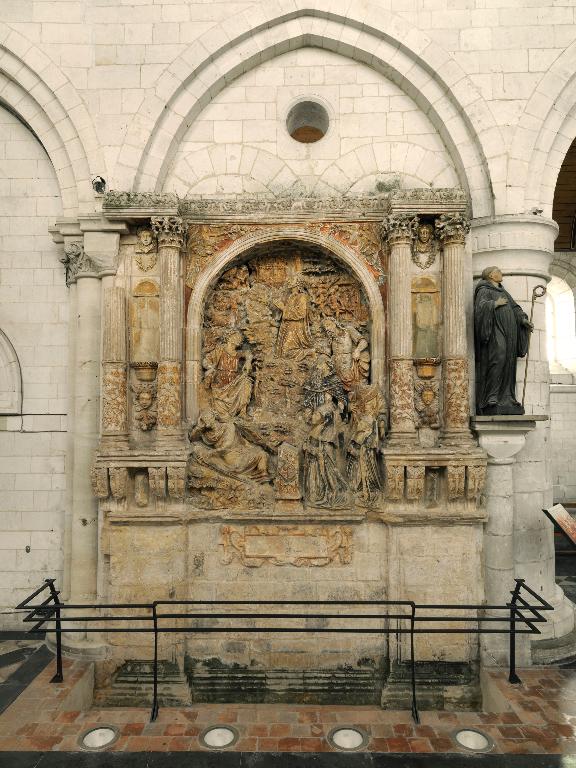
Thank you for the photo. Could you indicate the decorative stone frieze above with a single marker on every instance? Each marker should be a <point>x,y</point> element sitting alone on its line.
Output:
<point>416,477</point>
<point>298,545</point>
<point>118,199</point>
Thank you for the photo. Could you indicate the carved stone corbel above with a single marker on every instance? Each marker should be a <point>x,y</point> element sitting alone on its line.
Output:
<point>119,482</point>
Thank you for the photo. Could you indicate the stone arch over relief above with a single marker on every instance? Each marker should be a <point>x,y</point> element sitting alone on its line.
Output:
<point>239,252</point>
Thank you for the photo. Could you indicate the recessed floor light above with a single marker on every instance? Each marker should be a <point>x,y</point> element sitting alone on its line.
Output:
<point>348,739</point>
<point>99,738</point>
<point>473,740</point>
<point>219,737</point>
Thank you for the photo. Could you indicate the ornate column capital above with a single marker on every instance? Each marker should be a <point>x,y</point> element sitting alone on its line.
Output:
<point>77,263</point>
<point>400,227</point>
<point>452,228</point>
<point>170,230</point>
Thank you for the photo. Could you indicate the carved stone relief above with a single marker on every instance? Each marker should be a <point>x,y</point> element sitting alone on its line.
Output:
<point>286,350</point>
<point>146,249</point>
<point>426,403</point>
<point>169,383</point>
<point>301,546</point>
<point>145,406</point>
<point>424,246</point>
<point>114,398</point>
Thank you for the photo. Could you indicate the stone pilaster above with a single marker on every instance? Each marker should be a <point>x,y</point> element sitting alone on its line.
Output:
<point>451,230</point>
<point>399,229</point>
<point>170,231</point>
<point>114,375</point>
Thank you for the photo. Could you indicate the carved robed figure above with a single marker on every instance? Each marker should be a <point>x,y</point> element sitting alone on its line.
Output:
<point>501,335</point>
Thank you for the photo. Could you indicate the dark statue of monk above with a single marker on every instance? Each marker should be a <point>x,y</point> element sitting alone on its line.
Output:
<point>501,335</point>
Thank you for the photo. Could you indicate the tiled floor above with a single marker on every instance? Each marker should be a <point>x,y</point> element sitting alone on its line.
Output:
<point>542,719</point>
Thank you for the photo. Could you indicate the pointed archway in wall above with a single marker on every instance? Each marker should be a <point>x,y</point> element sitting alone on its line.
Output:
<point>367,34</point>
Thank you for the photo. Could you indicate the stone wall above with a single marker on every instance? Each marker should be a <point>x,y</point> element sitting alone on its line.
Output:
<point>34,317</point>
<point>563,438</point>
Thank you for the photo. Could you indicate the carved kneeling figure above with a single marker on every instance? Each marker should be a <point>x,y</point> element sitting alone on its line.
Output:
<point>224,449</point>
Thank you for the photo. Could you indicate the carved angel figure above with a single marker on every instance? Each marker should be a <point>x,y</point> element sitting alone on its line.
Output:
<point>349,352</point>
<point>228,376</point>
<point>218,445</point>
<point>324,486</point>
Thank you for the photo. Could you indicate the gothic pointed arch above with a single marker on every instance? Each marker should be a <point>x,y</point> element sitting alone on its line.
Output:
<point>366,33</point>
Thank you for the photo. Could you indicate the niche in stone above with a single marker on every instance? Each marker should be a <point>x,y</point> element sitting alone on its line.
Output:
<point>288,417</point>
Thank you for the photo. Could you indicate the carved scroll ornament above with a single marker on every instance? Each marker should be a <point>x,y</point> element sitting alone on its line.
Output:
<point>299,545</point>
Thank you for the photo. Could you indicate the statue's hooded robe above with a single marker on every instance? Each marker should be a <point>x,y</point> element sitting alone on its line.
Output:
<point>500,337</point>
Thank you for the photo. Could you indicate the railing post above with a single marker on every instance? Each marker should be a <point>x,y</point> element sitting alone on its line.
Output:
<point>415,715</point>
<point>154,711</point>
<point>512,676</point>
<point>59,676</point>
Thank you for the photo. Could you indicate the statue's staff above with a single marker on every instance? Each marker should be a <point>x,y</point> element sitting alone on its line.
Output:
<point>537,292</point>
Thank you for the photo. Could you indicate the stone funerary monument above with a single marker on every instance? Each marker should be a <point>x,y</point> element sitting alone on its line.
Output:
<point>285,415</point>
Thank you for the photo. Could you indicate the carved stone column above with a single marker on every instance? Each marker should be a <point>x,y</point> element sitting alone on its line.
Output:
<point>170,231</point>
<point>400,229</point>
<point>114,381</point>
<point>451,230</point>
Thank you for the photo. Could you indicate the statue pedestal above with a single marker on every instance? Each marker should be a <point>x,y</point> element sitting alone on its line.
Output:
<point>502,437</point>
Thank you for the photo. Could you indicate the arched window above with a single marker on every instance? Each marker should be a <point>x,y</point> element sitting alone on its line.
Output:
<point>10,378</point>
<point>561,327</point>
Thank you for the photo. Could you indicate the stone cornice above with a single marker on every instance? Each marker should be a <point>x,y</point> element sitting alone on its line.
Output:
<point>136,205</point>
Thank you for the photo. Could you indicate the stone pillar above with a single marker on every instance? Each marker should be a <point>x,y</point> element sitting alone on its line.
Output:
<point>451,230</point>
<point>400,230</point>
<point>170,231</point>
<point>502,438</point>
<point>114,373</point>
<point>90,253</point>
<point>523,247</point>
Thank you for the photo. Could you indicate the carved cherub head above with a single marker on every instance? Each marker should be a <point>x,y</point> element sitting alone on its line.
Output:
<point>425,233</point>
<point>145,239</point>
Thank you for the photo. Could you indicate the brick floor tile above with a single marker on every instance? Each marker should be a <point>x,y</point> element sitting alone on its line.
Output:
<point>132,729</point>
<point>420,745</point>
<point>267,744</point>
<point>280,729</point>
<point>289,744</point>
<point>398,744</point>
